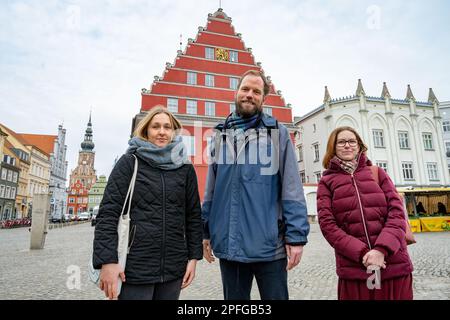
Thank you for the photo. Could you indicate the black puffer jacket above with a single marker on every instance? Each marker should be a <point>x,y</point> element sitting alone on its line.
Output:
<point>166,216</point>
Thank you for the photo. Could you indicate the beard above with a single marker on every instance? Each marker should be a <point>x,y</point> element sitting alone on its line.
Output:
<point>247,112</point>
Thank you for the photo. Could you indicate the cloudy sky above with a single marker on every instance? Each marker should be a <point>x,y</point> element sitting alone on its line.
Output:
<point>60,59</point>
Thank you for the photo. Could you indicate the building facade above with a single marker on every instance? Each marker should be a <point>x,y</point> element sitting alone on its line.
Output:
<point>199,87</point>
<point>17,144</point>
<point>77,199</point>
<point>403,136</point>
<point>96,193</point>
<point>9,182</point>
<point>22,193</point>
<point>444,108</point>
<point>3,136</point>
<point>39,174</point>
<point>54,145</point>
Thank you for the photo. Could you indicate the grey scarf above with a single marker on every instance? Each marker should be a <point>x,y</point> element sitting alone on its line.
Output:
<point>170,157</point>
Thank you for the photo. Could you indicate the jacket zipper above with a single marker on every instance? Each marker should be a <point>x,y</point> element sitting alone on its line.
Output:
<point>246,141</point>
<point>361,210</point>
<point>164,227</point>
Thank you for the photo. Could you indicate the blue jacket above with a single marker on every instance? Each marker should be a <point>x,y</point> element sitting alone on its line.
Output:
<point>254,202</point>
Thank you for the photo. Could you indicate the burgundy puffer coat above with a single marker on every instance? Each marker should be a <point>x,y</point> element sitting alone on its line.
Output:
<point>354,210</point>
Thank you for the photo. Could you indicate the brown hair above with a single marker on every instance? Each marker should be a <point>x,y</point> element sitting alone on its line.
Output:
<point>256,73</point>
<point>141,129</point>
<point>331,145</point>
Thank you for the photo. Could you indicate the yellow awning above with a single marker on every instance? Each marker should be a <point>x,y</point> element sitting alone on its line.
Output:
<point>424,190</point>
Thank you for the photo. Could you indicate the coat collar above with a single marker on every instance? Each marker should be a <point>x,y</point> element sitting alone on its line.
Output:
<point>335,167</point>
<point>267,121</point>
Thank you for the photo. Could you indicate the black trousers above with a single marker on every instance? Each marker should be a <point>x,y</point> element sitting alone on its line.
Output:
<point>271,278</point>
<point>157,291</point>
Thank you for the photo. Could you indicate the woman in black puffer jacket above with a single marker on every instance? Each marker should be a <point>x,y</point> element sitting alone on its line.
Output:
<point>165,227</point>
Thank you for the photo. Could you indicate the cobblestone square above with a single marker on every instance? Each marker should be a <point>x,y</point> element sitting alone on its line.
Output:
<point>60,270</point>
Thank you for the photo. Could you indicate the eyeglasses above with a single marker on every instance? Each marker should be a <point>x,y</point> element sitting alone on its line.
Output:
<point>351,143</point>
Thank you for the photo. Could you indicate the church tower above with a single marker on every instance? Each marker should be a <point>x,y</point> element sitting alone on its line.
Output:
<point>85,172</point>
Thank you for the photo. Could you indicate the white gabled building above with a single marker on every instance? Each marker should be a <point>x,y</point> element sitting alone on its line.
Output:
<point>403,136</point>
<point>444,107</point>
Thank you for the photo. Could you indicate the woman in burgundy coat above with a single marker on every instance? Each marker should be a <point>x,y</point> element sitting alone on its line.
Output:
<point>363,220</point>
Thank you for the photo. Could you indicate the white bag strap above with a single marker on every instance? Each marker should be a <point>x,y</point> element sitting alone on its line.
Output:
<point>130,188</point>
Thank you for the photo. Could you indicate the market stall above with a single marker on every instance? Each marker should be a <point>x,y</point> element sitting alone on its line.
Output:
<point>428,208</point>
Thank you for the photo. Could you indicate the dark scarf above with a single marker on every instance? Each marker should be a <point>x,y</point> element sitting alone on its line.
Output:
<point>236,122</point>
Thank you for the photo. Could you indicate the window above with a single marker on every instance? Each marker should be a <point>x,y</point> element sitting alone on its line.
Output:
<point>383,165</point>
<point>4,173</point>
<point>210,108</point>
<point>80,200</point>
<point>13,193</point>
<point>300,153</point>
<point>302,176</point>
<point>268,110</point>
<point>71,200</point>
<point>233,56</point>
<point>8,192</point>
<point>403,139</point>
<point>378,138</point>
<point>318,175</point>
<point>314,127</point>
<point>172,105</point>
<point>316,152</point>
<point>6,214</point>
<point>447,147</point>
<point>2,191</point>
<point>427,140</point>
<point>209,53</point>
<point>407,171</point>
<point>189,142</point>
<point>9,160</point>
<point>234,83</point>
<point>209,80</point>
<point>232,107</point>
<point>191,107</point>
<point>191,78</point>
<point>446,126</point>
<point>432,171</point>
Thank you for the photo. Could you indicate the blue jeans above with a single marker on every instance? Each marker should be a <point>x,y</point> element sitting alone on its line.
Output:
<point>271,277</point>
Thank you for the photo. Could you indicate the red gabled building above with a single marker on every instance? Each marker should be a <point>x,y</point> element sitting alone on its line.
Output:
<point>199,87</point>
<point>77,198</point>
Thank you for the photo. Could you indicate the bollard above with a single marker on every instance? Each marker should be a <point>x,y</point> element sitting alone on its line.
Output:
<point>39,224</point>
